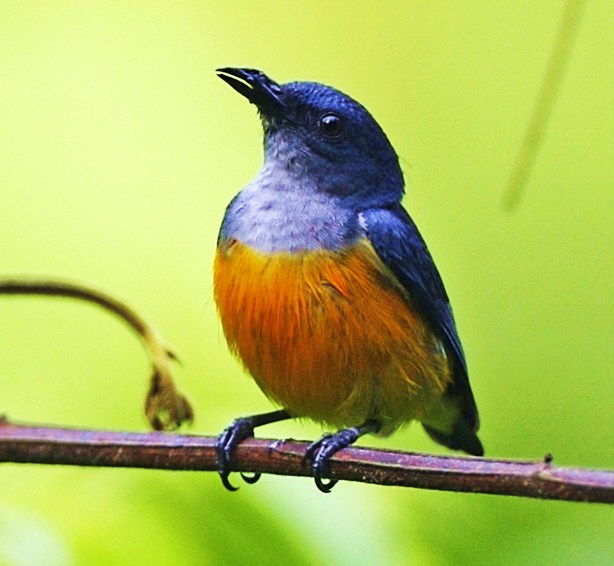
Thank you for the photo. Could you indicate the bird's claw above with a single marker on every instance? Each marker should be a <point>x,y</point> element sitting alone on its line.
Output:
<point>251,479</point>
<point>225,447</point>
<point>320,452</point>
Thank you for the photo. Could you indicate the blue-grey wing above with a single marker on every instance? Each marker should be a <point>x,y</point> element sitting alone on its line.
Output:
<point>398,243</point>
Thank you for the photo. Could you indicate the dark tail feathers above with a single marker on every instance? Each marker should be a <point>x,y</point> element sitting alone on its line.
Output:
<point>463,437</point>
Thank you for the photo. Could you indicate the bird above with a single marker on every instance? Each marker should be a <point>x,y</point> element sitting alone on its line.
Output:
<point>326,291</point>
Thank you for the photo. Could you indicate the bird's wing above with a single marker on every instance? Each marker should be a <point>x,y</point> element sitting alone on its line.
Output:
<point>400,246</point>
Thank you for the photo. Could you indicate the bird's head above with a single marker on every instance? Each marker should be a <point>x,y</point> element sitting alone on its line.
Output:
<point>322,137</point>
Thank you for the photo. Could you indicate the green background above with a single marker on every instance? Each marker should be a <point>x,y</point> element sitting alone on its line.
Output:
<point>119,149</point>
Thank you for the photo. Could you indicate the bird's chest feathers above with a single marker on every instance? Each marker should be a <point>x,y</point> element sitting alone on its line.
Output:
<point>278,212</point>
<point>317,328</point>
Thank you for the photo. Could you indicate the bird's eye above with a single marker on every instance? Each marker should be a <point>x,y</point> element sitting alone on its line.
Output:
<point>331,126</point>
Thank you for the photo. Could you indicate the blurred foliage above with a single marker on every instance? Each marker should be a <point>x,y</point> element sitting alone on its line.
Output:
<point>119,149</point>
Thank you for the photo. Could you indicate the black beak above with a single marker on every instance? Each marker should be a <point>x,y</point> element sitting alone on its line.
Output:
<point>254,85</point>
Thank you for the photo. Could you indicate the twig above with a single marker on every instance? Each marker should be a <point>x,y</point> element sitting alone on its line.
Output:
<point>541,480</point>
<point>165,407</point>
<point>544,103</point>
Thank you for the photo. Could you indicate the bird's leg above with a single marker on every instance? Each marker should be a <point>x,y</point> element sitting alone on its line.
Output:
<point>233,435</point>
<point>320,451</point>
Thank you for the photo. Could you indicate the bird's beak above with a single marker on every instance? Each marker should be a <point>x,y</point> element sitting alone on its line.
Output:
<point>254,85</point>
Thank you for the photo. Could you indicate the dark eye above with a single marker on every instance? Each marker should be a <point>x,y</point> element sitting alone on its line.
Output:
<point>331,126</point>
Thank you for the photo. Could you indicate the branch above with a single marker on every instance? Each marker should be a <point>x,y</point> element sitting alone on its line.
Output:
<point>165,407</point>
<point>48,445</point>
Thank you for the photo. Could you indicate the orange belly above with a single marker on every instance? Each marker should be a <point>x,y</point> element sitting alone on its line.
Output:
<point>330,335</point>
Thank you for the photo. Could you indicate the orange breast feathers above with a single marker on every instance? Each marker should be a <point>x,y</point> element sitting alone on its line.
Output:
<point>331,336</point>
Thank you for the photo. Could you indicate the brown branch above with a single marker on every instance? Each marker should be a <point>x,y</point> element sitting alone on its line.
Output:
<point>165,407</point>
<point>48,445</point>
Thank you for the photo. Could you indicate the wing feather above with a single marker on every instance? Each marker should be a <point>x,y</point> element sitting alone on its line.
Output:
<point>400,246</point>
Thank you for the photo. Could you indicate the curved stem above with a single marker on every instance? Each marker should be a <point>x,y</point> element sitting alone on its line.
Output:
<point>165,407</point>
<point>544,104</point>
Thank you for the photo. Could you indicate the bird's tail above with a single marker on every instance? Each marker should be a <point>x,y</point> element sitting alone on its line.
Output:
<point>463,437</point>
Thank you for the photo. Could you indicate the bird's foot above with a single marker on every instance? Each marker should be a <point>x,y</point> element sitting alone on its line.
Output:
<point>226,445</point>
<point>237,432</point>
<point>320,452</point>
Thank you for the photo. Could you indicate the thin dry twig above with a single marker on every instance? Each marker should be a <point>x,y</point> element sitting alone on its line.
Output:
<point>165,407</point>
<point>541,480</point>
<point>544,103</point>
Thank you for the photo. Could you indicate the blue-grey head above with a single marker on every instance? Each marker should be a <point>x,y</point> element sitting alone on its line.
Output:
<point>321,136</point>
